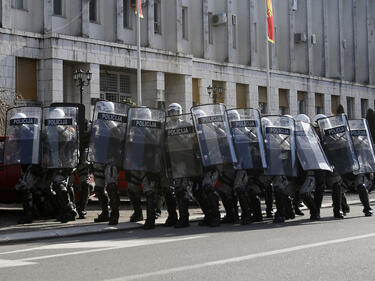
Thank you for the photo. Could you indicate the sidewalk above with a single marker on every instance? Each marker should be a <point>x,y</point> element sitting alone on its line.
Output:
<point>11,232</point>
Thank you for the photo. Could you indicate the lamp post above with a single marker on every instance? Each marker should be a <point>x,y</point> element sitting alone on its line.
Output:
<point>82,79</point>
<point>215,92</point>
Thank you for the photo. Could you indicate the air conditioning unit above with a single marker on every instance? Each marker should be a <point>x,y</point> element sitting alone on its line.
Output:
<point>219,19</point>
<point>300,37</point>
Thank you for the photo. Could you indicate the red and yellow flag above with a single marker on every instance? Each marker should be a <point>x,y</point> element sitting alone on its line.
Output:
<point>271,33</point>
<point>139,2</point>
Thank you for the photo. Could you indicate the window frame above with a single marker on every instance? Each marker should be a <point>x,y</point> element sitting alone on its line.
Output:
<point>157,17</point>
<point>127,13</point>
<point>14,5</point>
<point>97,14</point>
<point>185,23</point>
<point>210,29</point>
<point>62,3</point>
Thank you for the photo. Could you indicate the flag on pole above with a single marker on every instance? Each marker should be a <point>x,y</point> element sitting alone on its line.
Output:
<point>270,33</point>
<point>138,2</point>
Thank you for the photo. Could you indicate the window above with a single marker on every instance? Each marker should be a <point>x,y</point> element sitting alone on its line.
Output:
<point>335,101</point>
<point>301,101</point>
<point>128,14</point>
<point>319,103</point>
<point>210,34</point>
<point>18,4</point>
<point>283,101</point>
<point>364,107</point>
<point>185,23</point>
<point>93,11</point>
<point>157,17</point>
<point>350,107</point>
<point>57,7</point>
<point>262,99</point>
<point>115,86</point>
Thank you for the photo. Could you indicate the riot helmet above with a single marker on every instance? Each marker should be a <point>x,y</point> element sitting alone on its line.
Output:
<point>105,106</point>
<point>302,118</point>
<point>233,115</point>
<point>56,113</point>
<point>316,118</point>
<point>174,109</point>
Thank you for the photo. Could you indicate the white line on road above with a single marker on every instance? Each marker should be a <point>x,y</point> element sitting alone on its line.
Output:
<point>101,246</point>
<point>240,259</point>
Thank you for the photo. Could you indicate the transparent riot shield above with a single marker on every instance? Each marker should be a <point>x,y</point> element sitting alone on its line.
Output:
<point>279,139</point>
<point>337,143</point>
<point>108,132</point>
<point>363,145</point>
<point>22,143</point>
<point>214,137</point>
<point>181,147</point>
<point>248,139</point>
<point>144,138</point>
<point>60,145</point>
<point>309,150</point>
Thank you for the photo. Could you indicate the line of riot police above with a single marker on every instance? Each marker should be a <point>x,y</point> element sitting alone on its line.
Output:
<point>210,153</point>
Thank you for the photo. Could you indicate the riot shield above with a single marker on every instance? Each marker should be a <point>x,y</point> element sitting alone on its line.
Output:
<point>309,151</point>
<point>143,142</point>
<point>108,131</point>
<point>363,145</point>
<point>214,137</point>
<point>181,147</point>
<point>22,142</point>
<point>337,143</point>
<point>60,145</point>
<point>248,139</point>
<point>279,139</point>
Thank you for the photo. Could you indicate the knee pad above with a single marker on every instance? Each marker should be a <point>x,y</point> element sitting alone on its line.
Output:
<point>111,174</point>
<point>308,186</point>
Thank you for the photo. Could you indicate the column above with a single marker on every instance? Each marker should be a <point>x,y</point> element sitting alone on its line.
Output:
<point>179,25</point>
<point>293,102</point>
<point>93,90</point>
<point>252,96</point>
<point>230,98</point>
<point>153,84</point>
<point>229,31</point>
<point>309,33</point>
<point>273,101</point>
<point>119,20</point>
<point>48,10</point>
<point>327,104</point>
<point>150,22</point>
<point>205,28</point>
<point>357,107</point>
<point>311,104</point>
<point>85,19</point>
<point>178,88</point>
<point>5,14</point>
<point>50,81</point>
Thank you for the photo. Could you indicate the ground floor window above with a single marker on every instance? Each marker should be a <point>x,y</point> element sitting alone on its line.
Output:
<point>115,86</point>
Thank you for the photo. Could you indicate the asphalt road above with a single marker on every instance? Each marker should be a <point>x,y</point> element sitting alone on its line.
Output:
<point>297,250</point>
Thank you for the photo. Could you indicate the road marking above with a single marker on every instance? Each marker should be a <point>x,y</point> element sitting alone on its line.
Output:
<point>240,259</point>
<point>100,246</point>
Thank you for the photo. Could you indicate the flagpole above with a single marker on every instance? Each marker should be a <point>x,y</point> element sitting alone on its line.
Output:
<point>139,78</point>
<point>268,66</point>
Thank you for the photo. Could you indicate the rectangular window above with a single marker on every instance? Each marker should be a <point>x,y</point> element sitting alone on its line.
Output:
<point>57,7</point>
<point>128,14</point>
<point>302,102</point>
<point>335,101</point>
<point>210,34</point>
<point>93,11</point>
<point>319,103</point>
<point>262,99</point>
<point>157,17</point>
<point>185,23</point>
<point>115,86</point>
<point>283,101</point>
<point>364,107</point>
<point>26,78</point>
<point>18,4</point>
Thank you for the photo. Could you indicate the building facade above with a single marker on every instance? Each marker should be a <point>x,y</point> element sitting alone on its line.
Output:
<point>323,56</point>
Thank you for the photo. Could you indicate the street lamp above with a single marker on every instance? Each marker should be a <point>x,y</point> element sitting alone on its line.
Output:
<point>215,92</point>
<point>82,79</point>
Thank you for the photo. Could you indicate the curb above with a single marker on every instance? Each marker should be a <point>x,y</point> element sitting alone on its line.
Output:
<point>97,229</point>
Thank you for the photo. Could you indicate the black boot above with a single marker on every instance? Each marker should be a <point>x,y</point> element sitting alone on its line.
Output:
<point>255,207</point>
<point>202,200</point>
<point>344,205</point>
<point>102,195</point>
<point>318,199</point>
<point>135,200</point>
<point>170,201</point>
<point>245,208</point>
<point>27,203</point>
<point>150,220</point>
<point>83,200</point>
<point>230,214</point>
<point>363,196</point>
<point>336,200</point>
<point>280,199</point>
<point>268,197</point>
<point>183,209</point>
<point>308,200</point>
<point>213,201</point>
<point>296,204</point>
<point>289,210</point>
<point>114,203</point>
